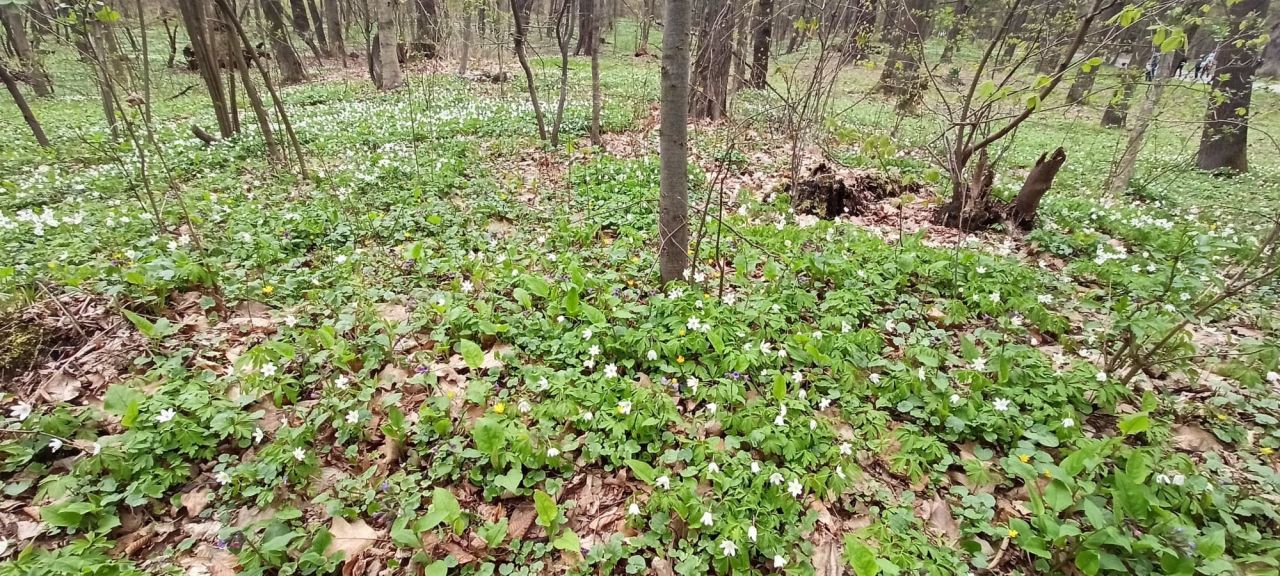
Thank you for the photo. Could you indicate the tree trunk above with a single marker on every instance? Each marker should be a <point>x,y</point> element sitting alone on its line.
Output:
<point>11,16</point>
<point>94,44</point>
<point>1270,66</point>
<point>646,22</point>
<point>563,27</point>
<point>388,59</point>
<point>302,27</point>
<point>586,32</point>
<point>761,45</point>
<point>709,97</point>
<point>673,197</point>
<point>321,38</point>
<point>518,39</point>
<point>466,40</point>
<point>958,20</point>
<point>596,97</point>
<point>743,41</point>
<point>291,71</point>
<point>901,76</point>
<point>1082,86</point>
<point>427,35</point>
<point>12,85</point>
<point>1022,213</point>
<point>195,18</point>
<point>1225,138</point>
<point>333,19</point>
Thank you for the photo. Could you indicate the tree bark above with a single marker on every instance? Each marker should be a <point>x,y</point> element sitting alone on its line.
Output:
<point>321,37</point>
<point>761,45</point>
<point>291,71</point>
<point>1270,66</point>
<point>901,76</point>
<point>1117,111</point>
<point>333,19</point>
<point>195,18</point>
<point>646,22</point>
<point>958,19</point>
<point>1022,212</point>
<point>587,34</point>
<point>518,39</point>
<point>11,16</point>
<point>16,92</point>
<point>302,27</point>
<point>563,27</point>
<point>466,40</point>
<point>709,97</point>
<point>388,59</point>
<point>1224,142</point>
<point>673,197</point>
<point>596,96</point>
<point>427,34</point>
<point>1082,86</point>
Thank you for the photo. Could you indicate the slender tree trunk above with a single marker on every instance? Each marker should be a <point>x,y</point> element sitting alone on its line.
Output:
<point>466,40</point>
<point>333,19</point>
<point>596,97</point>
<point>1082,86</point>
<point>761,45</point>
<point>1270,66</point>
<point>586,32</point>
<point>563,26</point>
<point>709,96</point>
<point>291,71</point>
<point>11,16</point>
<point>195,18</point>
<point>673,198</point>
<point>958,19</point>
<point>427,36</point>
<point>1224,141</point>
<point>518,38</point>
<point>388,59</point>
<point>646,22</point>
<point>171,32</point>
<point>95,43</point>
<point>146,64</point>
<point>16,92</point>
<point>901,76</point>
<point>321,37</point>
<point>302,27</point>
<point>743,39</point>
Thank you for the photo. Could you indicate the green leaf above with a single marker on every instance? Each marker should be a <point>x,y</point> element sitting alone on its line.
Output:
<point>444,508</point>
<point>1088,562</point>
<point>437,568</point>
<point>568,541</point>
<point>124,402</point>
<point>861,558</point>
<point>490,436</point>
<point>471,353</point>
<point>1135,423</point>
<point>572,301</point>
<point>642,471</point>
<point>545,505</point>
<point>1057,495</point>
<point>1212,544</point>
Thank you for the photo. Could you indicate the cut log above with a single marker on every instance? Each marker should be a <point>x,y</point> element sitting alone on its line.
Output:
<point>1022,213</point>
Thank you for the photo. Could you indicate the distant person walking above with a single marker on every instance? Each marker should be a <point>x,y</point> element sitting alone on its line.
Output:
<point>1204,68</point>
<point>1152,66</point>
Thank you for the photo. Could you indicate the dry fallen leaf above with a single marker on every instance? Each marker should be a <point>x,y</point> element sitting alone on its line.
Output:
<point>937,514</point>
<point>352,538</point>
<point>1193,438</point>
<point>60,388</point>
<point>826,559</point>
<point>195,501</point>
<point>392,313</point>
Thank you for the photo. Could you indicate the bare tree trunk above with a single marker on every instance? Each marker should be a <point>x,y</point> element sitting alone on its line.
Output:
<point>743,39</point>
<point>12,85</point>
<point>466,40</point>
<point>646,22</point>
<point>763,28</point>
<point>171,32</point>
<point>958,20</point>
<point>709,96</point>
<point>333,19</point>
<point>302,27</point>
<point>1117,110</point>
<point>321,38</point>
<point>11,16</point>
<point>291,71</point>
<point>1082,86</point>
<point>521,31</point>
<point>901,76</point>
<point>596,97</point>
<point>146,64</point>
<point>427,36</point>
<point>388,58</point>
<point>1023,210</point>
<point>673,198</point>
<point>1224,142</point>
<point>563,25</point>
<point>1270,66</point>
<point>195,18</point>
<point>586,32</point>
<point>95,46</point>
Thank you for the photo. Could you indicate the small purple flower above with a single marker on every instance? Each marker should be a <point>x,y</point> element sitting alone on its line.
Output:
<point>384,486</point>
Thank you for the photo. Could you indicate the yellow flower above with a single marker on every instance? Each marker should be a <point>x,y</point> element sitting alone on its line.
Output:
<point>1222,417</point>
<point>631,282</point>
<point>635,258</point>
<point>1024,458</point>
<point>1048,473</point>
<point>499,408</point>
<point>268,289</point>
<point>1267,451</point>
<point>1013,533</point>
<point>679,359</point>
<point>681,332</point>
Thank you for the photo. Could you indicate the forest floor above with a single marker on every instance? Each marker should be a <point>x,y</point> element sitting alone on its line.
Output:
<point>445,349</point>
